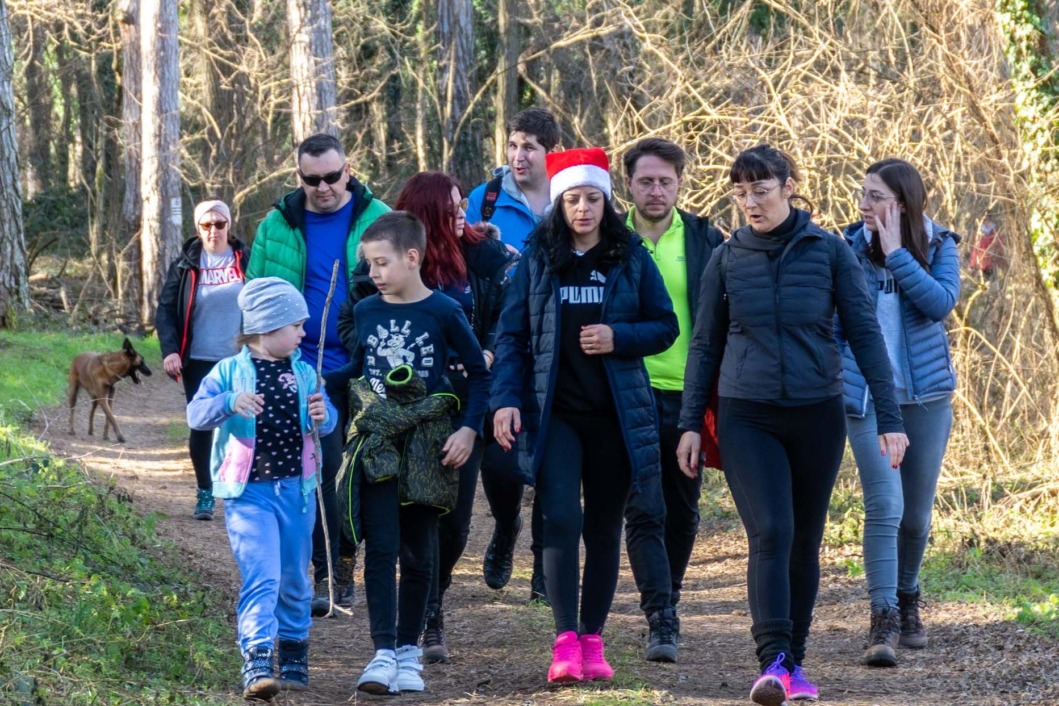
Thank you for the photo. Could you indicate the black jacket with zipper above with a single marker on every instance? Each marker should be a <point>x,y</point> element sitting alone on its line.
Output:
<point>766,321</point>
<point>176,303</point>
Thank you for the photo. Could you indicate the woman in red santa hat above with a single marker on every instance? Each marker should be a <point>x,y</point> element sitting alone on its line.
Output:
<point>586,304</point>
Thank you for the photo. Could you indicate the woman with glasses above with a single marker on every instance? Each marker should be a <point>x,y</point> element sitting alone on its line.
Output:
<point>469,264</point>
<point>198,320</point>
<point>768,301</point>
<point>912,268</point>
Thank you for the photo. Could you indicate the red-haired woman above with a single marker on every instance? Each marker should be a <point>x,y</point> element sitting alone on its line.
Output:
<point>468,263</point>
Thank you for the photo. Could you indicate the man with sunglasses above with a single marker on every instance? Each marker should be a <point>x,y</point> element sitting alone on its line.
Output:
<point>299,240</point>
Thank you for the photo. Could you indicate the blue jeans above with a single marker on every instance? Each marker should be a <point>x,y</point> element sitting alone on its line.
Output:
<point>898,502</point>
<point>270,527</point>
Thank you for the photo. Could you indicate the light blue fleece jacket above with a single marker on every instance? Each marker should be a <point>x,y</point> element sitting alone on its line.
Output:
<point>232,458</point>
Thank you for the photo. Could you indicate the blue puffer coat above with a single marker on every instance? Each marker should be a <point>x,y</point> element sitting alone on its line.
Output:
<point>926,299</point>
<point>638,309</point>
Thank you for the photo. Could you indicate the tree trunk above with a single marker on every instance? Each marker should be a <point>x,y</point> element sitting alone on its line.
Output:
<point>461,141</point>
<point>14,281</point>
<point>66,121</point>
<point>160,177</point>
<point>39,97</point>
<point>506,103</point>
<point>130,280</point>
<point>312,68</point>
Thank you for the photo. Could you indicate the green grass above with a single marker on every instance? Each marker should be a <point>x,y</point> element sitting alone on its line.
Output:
<point>91,610</point>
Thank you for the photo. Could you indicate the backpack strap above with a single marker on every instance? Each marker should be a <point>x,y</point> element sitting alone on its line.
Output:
<point>492,193</point>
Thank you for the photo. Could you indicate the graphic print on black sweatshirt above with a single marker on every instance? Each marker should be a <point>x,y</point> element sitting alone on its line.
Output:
<point>278,445</point>
<point>582,385</point>
<point>396,344</point>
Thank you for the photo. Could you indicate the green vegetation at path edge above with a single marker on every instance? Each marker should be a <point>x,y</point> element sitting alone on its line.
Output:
<point>94,607</point>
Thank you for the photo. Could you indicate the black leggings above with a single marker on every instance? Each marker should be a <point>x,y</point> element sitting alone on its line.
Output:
<point>392,532</point>
<point>781,464</point>
<point>582,454</point>
<point>454,528</point>
<point>200,443</point>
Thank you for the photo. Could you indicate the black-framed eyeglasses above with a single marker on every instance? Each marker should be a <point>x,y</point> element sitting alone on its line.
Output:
<point>315,179</point>
<point>872,196</point>
<point>219,225</point>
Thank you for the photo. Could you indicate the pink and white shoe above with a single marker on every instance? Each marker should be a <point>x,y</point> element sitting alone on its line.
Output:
<point>593,663</point>
<point>566,659</point>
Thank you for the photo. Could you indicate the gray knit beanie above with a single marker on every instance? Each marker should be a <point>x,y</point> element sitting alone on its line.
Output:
<point>270,303</point>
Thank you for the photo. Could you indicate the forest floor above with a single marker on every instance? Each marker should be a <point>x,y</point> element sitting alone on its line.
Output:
<point>500,644</point>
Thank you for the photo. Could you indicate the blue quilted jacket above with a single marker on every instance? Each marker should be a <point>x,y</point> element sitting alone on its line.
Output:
<point>926,299</point>
<point>635,305</point>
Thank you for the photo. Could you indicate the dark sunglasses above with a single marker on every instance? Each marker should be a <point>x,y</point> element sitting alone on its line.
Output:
<point>314,179</point>
<point>219,225</point>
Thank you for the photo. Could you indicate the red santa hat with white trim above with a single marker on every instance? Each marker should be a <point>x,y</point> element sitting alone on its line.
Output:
<point>579,167</point>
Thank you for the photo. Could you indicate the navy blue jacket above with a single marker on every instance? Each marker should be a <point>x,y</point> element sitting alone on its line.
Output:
<point>768,325</point>
<point>638,309</point>
<point>926,299</point>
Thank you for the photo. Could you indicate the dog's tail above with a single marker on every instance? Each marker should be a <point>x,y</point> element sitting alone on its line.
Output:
<point>73,385</point>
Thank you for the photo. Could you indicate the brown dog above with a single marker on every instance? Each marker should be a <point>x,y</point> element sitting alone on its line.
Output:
<point>98,373</point>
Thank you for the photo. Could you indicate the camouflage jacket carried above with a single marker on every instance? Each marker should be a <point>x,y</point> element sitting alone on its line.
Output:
<point>401,436</point>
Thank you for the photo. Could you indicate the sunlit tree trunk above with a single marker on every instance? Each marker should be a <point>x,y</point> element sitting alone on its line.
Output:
<point>130,280</point>
<point>312,68</point>
<point>461,141</point>
<point>160,121</point>
<point>14,283</point>
<point>506,103</point>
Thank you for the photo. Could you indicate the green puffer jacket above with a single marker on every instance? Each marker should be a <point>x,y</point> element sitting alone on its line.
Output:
<point>407,414</point>
<point>279,245</point>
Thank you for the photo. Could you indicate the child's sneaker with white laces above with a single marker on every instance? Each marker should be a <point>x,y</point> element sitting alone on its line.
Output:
<point>380,676</point>
<point>409,668</point>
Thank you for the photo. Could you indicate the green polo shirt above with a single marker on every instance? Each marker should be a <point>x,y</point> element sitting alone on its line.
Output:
<point>667,369</point>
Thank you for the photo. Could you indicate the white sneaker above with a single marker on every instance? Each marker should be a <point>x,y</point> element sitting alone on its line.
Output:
<point>408,668</point>
<point>380,676</point>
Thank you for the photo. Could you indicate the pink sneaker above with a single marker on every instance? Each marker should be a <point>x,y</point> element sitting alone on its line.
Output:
<point>773,686</point>
<point>801,688</point>
<point>566,659</point>
<point>593,663</point>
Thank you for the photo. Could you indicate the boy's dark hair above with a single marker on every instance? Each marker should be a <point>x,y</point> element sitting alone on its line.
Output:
<point>316,145</point>
<point>537,122</point>
<point>399,228</point>
<point>665,150</point>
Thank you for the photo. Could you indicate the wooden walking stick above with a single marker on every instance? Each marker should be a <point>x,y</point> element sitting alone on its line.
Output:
<point>319,455</point>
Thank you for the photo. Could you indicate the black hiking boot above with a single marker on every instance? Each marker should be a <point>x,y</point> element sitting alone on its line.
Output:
<point>499,556</point>
<point>662,636</point>
<point>538,594</point>
<point>435,651</point>
<point>259,674</point>
<point>913,634</point>
<point>293,664</point>
<point>882,638</point>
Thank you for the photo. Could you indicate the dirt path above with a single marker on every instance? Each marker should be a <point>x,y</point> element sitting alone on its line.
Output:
<point>501,646</point>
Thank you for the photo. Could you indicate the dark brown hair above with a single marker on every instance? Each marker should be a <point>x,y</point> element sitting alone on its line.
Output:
<point>665,150</point>
<point>906,183</point>
<point>399,228</point>
<point>537,122</point>
<point>763,162</point>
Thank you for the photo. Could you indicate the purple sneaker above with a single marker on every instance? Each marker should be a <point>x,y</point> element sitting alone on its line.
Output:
<point>801,688</point>
<point>771,687</point>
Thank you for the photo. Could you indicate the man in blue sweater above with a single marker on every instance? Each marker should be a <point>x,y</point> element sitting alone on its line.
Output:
<point>514,200</point>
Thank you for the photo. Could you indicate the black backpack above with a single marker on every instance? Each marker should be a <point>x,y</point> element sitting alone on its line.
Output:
<point>492,193</point>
